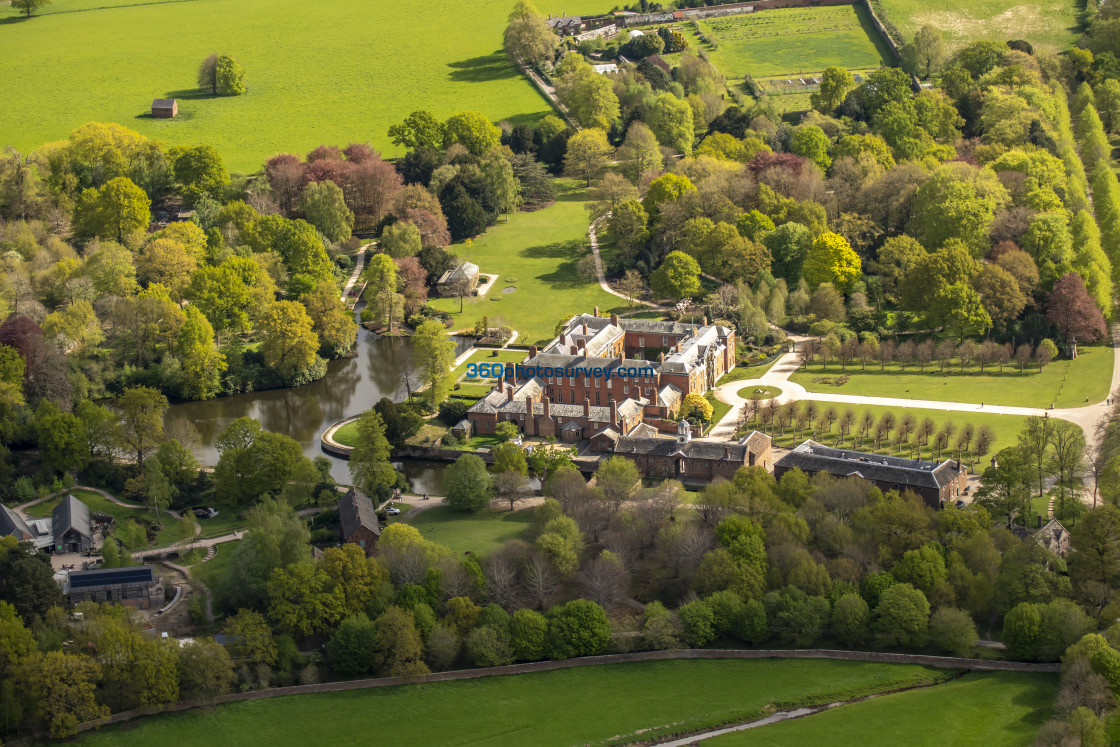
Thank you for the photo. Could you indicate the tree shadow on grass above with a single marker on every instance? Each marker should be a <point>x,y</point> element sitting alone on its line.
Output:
<point>572,249</point>
<point>13,19</point>
<point>494,66</point>
<point>190,94</point>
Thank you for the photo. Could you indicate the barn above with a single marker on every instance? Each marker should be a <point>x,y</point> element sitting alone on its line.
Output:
<point>165,108</point>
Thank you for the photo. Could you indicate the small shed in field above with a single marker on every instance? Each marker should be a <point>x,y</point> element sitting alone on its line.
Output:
<point>165,108</point>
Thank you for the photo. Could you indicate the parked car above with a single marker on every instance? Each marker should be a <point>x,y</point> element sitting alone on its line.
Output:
<point>960,504</point>
<point>392,510</point>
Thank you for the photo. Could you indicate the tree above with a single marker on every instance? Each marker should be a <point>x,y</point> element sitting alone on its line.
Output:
<point>325,207</point>
<point>850,618</point>
<point>926,54</point>
<point>810,142</point>
<point>200,171</point>
<point>578,628</point>
<point>627,224</point>
<point>958,309</point>
<point>670,119</point>
<point>589,97</point>
<point>957,201</point>
<point>370,467</point>
<point>433,353</point>
<point>201,362</point>
<point>420,129</point>
<point>488,646</point>
<point>509,457</point>
<point>116,210</point>
<point>230,76</point>
<point>251,638</point>
<point>61,438</point>
<point>834,86</point>
<point>953,631</point>
<point>468,484</point>
<point>63,688</point>
<point>696,404</point>
<point>678,277</point>
<point>399,649</point>
<point>619,479</point>
<point>588,151</point>
<point>528,37</point>
<point>302,599</point>
<point>1069,307</point>
<point>353,647</point>
<point>288,344</point>
<point>141,411</point>
<point>639,153</point>
<point>528,631</point>
<point>902,616</point>
<point>831,260</point>
<point>1035,441</point>
<point>999,293</point>
<point>332,322</point>
<point>1005,486</point>
<point>205,670</point>
<point>472,130</point>
<point>208,74</point>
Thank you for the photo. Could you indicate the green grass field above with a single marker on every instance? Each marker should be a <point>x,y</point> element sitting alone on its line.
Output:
<point>1049,23</point>
<point>213,568</point>
<point>1065,383</point>
<point>475,533</point>
<point>988,708</point>
<point>486,356</point>
<point>794,40</point>
<point>334,72</point>
<point>172,532</point>
<point>587,705</point>
<point>1006,428</point>
<point>540,249</point>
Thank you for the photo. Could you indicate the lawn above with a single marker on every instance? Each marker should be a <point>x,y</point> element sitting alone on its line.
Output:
<point>794,40</point>
<point>1006,428</point>
<point>743,372</point>
<point>477,533</point>
<point>756,391</point>
<point>347,435</point>
<point>988,708</point>
<point>719,407</point>
<point>587,705</point>
<point>209,571</point>
<point>485,355</point>
<point>337,72</point>
<point>540,249</point>
<point>1050,23</point>
<point>172,532</point>
<point>1063,383</point>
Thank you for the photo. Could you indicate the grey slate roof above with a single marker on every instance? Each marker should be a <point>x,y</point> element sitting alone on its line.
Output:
<point>69,514</point>
<point>162,103</point>
<point>11,525</point>
<point>355,510</point>
<point>814,457</point>
<point>710,450</point>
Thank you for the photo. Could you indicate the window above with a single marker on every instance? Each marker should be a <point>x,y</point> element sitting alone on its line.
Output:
<point>641,342</point>
<point>596,398</point>
<point>596,383</point>
<point>625,389</point>
<point>664,341</point>
<point>572,397</point>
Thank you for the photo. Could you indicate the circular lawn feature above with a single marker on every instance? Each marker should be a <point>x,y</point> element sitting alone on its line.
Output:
<point>758,391</point>
<point>509,289</point>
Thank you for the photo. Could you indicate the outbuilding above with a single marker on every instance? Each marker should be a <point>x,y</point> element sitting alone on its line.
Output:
<point>72,531</point>
<point>165,108</point>
<point>358,517</point>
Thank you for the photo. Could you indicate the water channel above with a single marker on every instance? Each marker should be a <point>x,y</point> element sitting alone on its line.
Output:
<point>350,387</point>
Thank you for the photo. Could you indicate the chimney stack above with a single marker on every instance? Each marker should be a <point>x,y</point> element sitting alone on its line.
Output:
<point>563,339</point>
<point>530,430</point>
<point>547,407</point>
<point>509,393</point>
<point>662,357</point>
<point>623,355</point>
<point>532,351</point>
<point>586,407</point>
<point>585,328</point>
<point>614,319</point>
<point>727,453</point>
<point>614,411</point>
<point>596,312</point>
<point>580,344</point>
<point>704,321</point>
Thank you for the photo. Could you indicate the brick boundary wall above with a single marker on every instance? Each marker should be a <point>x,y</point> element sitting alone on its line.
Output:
<point>886,37</point>
<point>939,662</point>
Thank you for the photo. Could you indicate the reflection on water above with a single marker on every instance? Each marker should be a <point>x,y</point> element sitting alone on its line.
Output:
<point>425,476</point>
<point>351,386</point>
